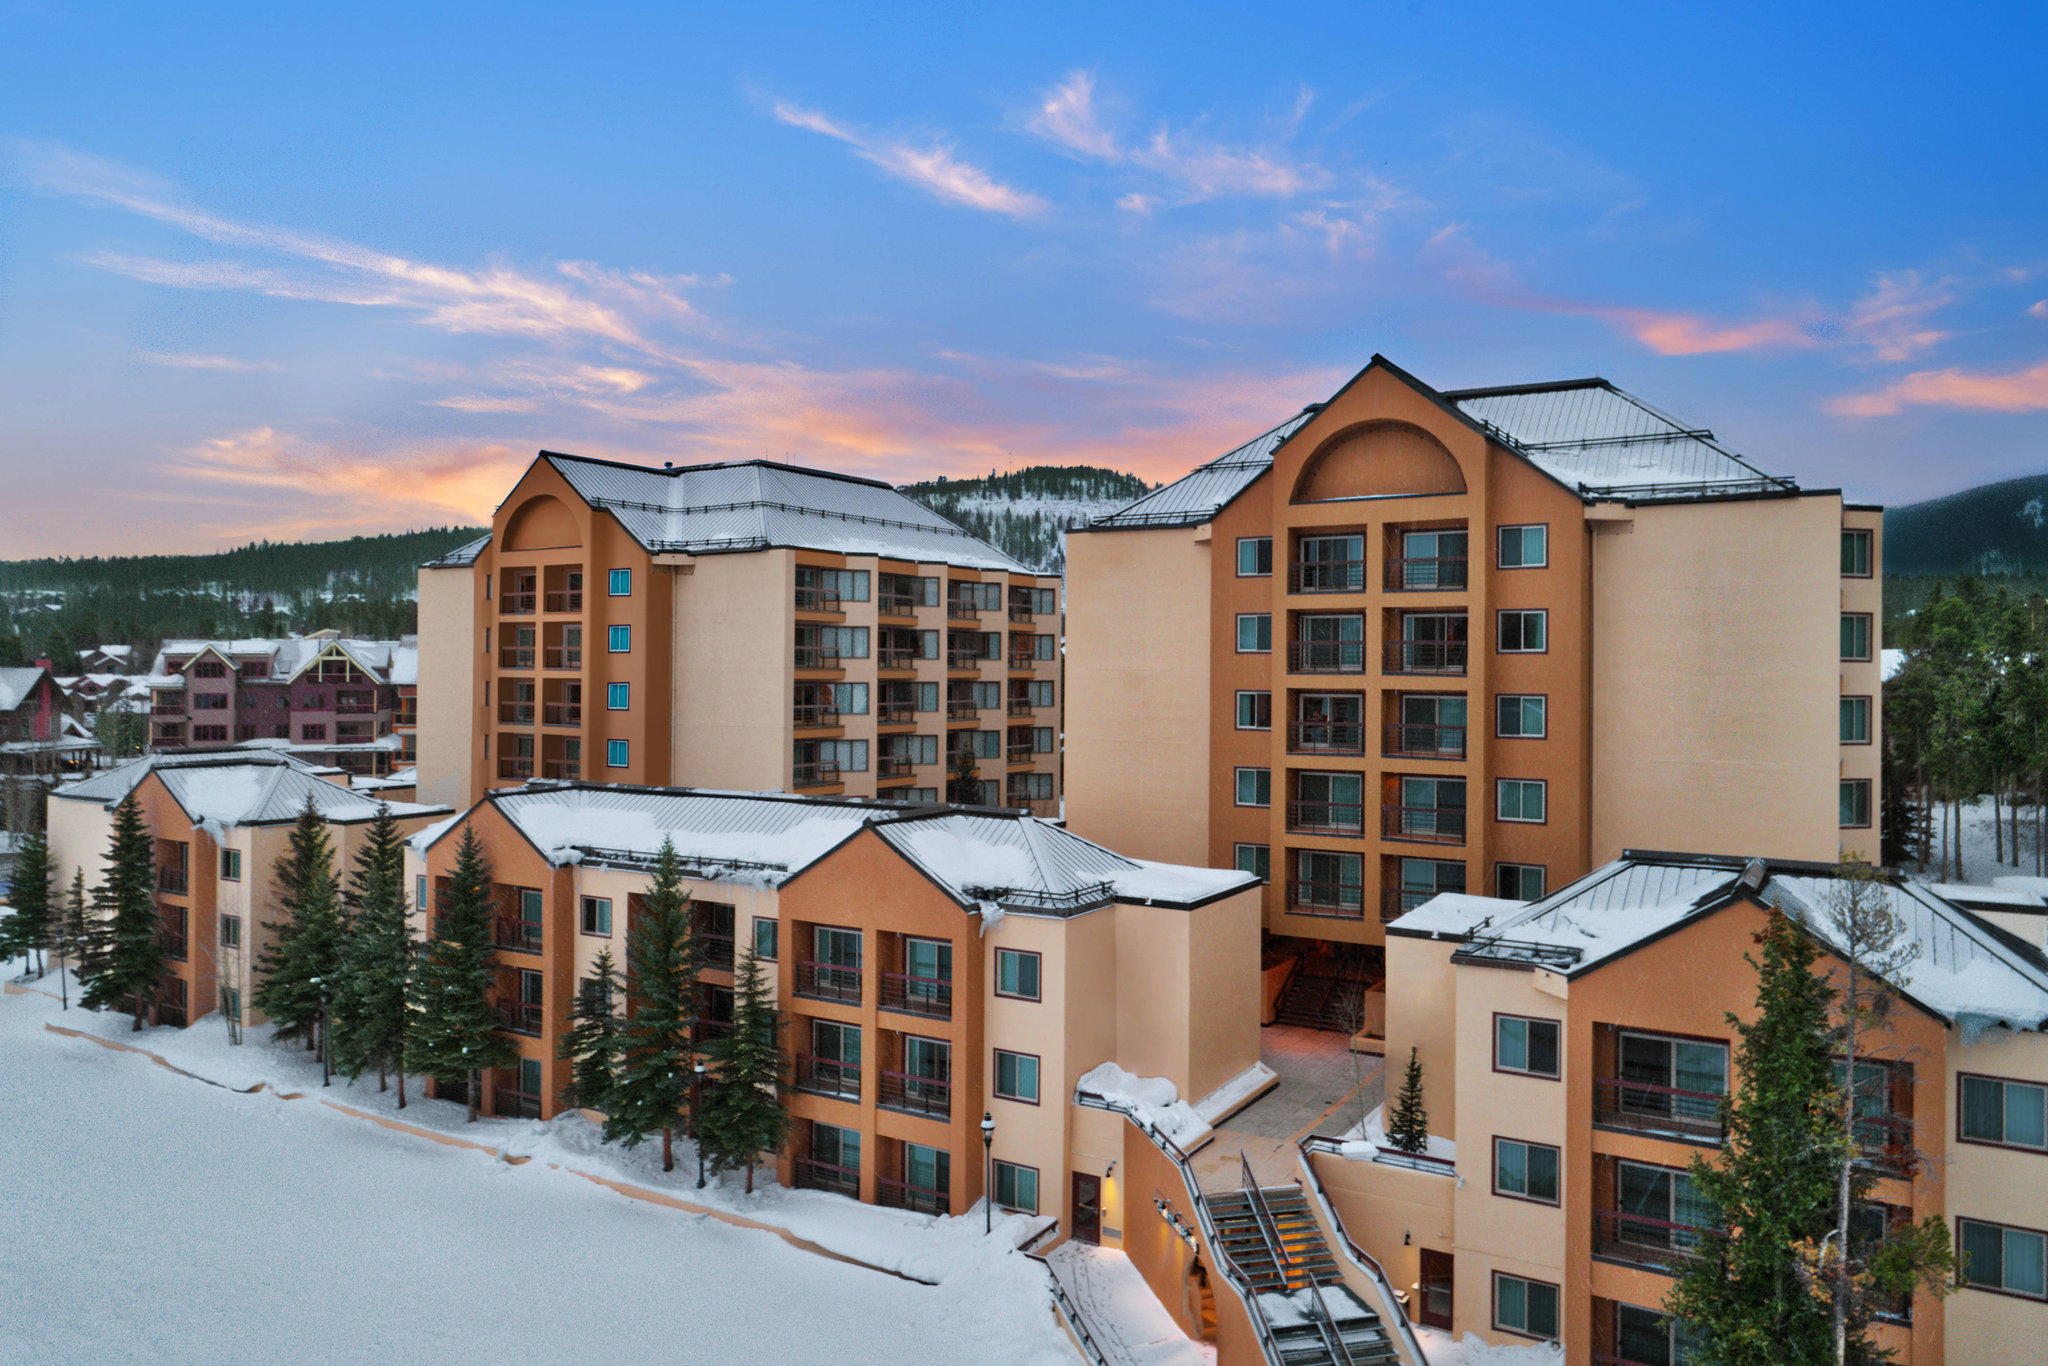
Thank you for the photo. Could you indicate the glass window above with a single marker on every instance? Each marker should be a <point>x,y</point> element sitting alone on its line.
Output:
<point>1855,720</point>
<point>850,699</point>
<point>1518,881</point>
<point>1256,859</point>
<point>231,865</point>
<point>617,696</point>
<point>927,697</point>
<point>1254,633</point>
<point>621,583</point>
<point>1525,1045</point>
<point>1680,1078</point>
<point>2010,1112</point>
<point>1527,1171</point>
<point>1524,547</point>
<point>1855,803</point>
<point>1016,1187</point>
<point>1521,717</point>
<point>1855,635</point>
<point>2008,1259</point>
<point>1524,1306</point>
<point>1255,787</point>
<point>615,754</point>
<point>1016,1076</point>
<point>419,892</point>
<point>619,639</point>
<point>1856,554</point>
<point>1522,799</point>
<point>767,938</point>
<point>1524,632</point>
<point>231,931</point>
<point>1017,973</point>
<point>1254,556</point>
<point>597,915</point>
<point>1255,711</point>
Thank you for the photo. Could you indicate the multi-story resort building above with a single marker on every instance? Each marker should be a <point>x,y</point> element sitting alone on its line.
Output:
<point>1410,642</point>
<point>220,821</point>
<point>931,965</point>
<point>750,625</point>
<point>38,738</point>
<point>323,697</point>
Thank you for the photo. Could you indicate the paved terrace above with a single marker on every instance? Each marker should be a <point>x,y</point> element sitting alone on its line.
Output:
<point>1324,1088</point>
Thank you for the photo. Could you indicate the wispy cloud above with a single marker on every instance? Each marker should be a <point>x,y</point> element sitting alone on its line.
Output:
<point>180,360</point>
<point>320,485</point>
<point>2011,391</point>
<point>933,168</point>
<point>1893,318</point>
<point>2038,310</point>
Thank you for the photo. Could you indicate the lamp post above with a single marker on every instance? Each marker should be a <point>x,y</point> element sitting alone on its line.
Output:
<point>696,1099</point>
<point>988,1173</point>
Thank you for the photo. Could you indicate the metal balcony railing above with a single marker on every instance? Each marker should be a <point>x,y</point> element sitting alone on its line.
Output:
<point>1425,824</point>
<point>1020,706</point>
<point>1021,754</point>
<point>564,657</point>
<point>909,994</point>
<point>1642,1241</point>
<point>816,600</point>
<point>1326,656</point>
<point>519,1017</point>
<point>1019,612</point>
<point>562,714</point>
<point>817,656</point>
<point>811,1174</point>
<point>718,950</point>
<point>814,715</point>
<point>171,880</point>
<point>896,605</point>
<point>827,1077</point>
<point>962,659</point>
<point>1426,656</point>
<point>1336,818</point>
<point>820,774</point>
<point>1622,1104</point>
<point>515,769</point>
<point>520,936</point>
<point>563,770</point>
<point>1442,574</point>
<point>1418,741</point>
<point>1326,576</point>
<point>519,604</point>
<point>171,944</point>
<point>1342,900</point>
<point>961,709</point>
<point>565,600</point>
<point>1326,737</point>
<point>516,657</point>
<point>515,713</point>
<point>962,610</point>
<point>920,1199</point>
<point>896,714</point>
<point>893,766</point>
<point>828,982</point>
<point>913,1095</point>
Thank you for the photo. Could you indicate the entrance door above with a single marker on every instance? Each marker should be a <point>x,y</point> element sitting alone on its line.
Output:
<point>1436,1289</point>
<point>1087,1207</point>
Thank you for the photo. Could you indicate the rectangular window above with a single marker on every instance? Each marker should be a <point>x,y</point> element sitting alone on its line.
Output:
<point>1524,1045</point>
<point>1524,547</point>
<point>1043,647</point>
<point>1256,859</point>
<point>1254,557</point>
<point>615,754</point>
<point>1855,635</point>
<point>1254,633</point>
<point>1521,716</point>
<point>597,915</point>
<point>1526,1171</point>
<point>619,639</point>
<point>2012,1113</point>
<point>767,938</point>
<point>231,865</point>
<point>1041,693</point>
<point>1856,554</point>
<point>1016,1187</point>
<point>1016,1076</point>
<point>419,892</point>
<point>1522,799</point>
<point>231,931</point>
<point>1855,720</point>
<point>927,697</point>
<point>2013,1261</point>
<point>618,696</point>
<point>1518,881</point>
<point>1255,711</point>
<point>621,583</point>
<point>850,755</point>
<point>988,744</point>
<point>850,699</point>
<point>1667,1078</point>
<point>1524,632</point>
<point>1855,803</point>
<point>1017,974</point>
<point>928,646</point>
<point>1255,787</point>
<point>1524,1306</point>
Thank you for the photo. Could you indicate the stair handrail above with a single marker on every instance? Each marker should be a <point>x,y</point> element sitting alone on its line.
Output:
<point>1312,1185</point>
<point>1269,1229</point>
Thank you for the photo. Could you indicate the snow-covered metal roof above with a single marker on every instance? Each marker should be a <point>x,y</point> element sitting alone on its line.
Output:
<point>1200,494</point>
<point>16,684</point>
<point>287,656</point>
<point>707,509</point>
<point>462,556</point>
<point>228,788</point>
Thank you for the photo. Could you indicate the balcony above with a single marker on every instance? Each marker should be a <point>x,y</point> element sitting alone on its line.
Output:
<point>562,714</point>
<point>814,715</point>
<point>565,600</point>
<point>1023,662</point>
<point>1665,1110</point>
<point>519,1018</point>
<point>919,1199</point>
<point>1036,806</point>
<point>911,1095</point>
<point>1019,612</point>
<point>1424,824</point>
<point>1442,575</point>
<point>563,657</point>
<point>1331,818</point>
<point>520,936</point>
<point>909,994</point>
<point>355,708</point>
<point>820,774</point>
<point>896,714</point>
<point>1020,706</point>
<point>562,770</point>
<point>1326,576</point>
<point>962,659</point>
<point>1338,900</point>
<point>816,599</point>
<point>516,657</point>
<point>1326,656</point>
<point>174,707</point>
<point>718,950</point>
<point>1020,756</point>
<point>1440,657</point>
<point>1653,1244</point>
<point>961,610</point>
<point>1326,737</point>
<point>961,709</point>
<point>1417,741</point>
<point>827,1077</point>
<point>515,769</point>
<point>828,982</point>
<point>814,1175</point>
<point>895,605</point>
<point>508,1103</point>
<point>817,656</point>
<point>515,713</point>
<point>1396,902</point>
<point>171,880</point>
<point>516,604</point>
<point>893,766</point>
<point>171,944</point>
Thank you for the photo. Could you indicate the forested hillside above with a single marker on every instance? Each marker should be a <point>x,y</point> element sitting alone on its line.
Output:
<point>1028,512</point>
<point>1997,528</point>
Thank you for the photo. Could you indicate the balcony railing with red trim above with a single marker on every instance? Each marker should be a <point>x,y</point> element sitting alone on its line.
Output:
<point>1326,656</point>
<point>1643,1106</point>
<point>1424,824</point>
<point>1326,737</point>
<point>718,950</point>
<point>919,1199</point>
<point>1326,576</point>
<point>820,774</point>
<point>907,993</point>
<point>1442,657</point>
<point>811,1174</point>
<point>914,1095</point>
<point>1417,741</point>
<point>1339,900</point>
<point>519,1017</point>
<point>1657,1244</point>
<point>828,982</point>
<point>563,657</point>
<point>1335,818</point>
<point>507,1103</point>
<point>565,600</point>
<point>827,1077</point>
<point>517,934</point>
<point>1443,574</point>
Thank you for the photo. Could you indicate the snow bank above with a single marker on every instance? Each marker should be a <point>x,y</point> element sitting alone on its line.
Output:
<point>1472,1350</point>
<point>1368,1141</point>
<point>1154,1101</point>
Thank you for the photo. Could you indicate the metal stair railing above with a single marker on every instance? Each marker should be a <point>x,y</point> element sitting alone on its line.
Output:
<point>1319,1313</point>
<point>1312,1187</point>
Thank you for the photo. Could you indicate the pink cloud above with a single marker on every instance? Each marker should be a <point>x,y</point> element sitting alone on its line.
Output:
<point>2014,391</point>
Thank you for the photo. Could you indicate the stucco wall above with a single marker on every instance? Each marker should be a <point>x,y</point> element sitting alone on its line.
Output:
<point>449,704</point>
<point>734,648</point>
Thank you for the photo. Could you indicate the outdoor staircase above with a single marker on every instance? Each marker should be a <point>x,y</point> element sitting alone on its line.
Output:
<point>1315,1000</point>
<point>1285,1264</point>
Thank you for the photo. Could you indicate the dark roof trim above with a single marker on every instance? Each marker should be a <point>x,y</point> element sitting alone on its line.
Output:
<point>1172,905</point>
<point>1548,386</point>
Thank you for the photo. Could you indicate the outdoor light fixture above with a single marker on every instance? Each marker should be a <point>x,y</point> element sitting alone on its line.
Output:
<point>988,1175</point>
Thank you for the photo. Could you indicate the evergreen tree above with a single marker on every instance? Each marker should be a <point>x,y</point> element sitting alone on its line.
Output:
<point>592,1041</point>
<point>1745,1294</point>
<point>301,967</point>
<point>1408,1125</point>
<point>742,1110</point>
<point>658,1053</point>
<point>128,954</point>
<point>963,785</point>
<point>80,939</point>
<point>369,1005</point>
<point>25,933</point>
<point>453,1034</point>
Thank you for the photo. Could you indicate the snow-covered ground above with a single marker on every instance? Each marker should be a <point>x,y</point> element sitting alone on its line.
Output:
<point>1472,1350</point>
<point>151,1216</point>
<point>1981,846</point>
<point>1129,1323</point>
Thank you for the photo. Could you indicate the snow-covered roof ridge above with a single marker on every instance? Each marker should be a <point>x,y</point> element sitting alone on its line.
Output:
<point>238,787</point>
<point>16,683</point>
<point>288,656</point>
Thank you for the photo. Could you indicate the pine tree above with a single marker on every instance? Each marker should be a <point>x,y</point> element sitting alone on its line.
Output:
<point>80,939</point>
<point>25,933</point>
<point>1408,1126</point>
<point>128,959</point>
<point>742,1115</point>
<point>963,785</point>
<point>369,1005</point>
<point>1745,1294</point>
<point>453,1034</point>
<point>592,1041</point>
<point>299,969</point>
<point>658,1053</point>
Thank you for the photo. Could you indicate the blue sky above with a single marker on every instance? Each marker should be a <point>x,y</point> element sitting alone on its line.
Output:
<point>268,273</point>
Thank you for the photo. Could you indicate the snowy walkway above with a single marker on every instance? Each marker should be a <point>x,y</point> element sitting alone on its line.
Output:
<point>1128,1322</point>
<point>1320,1081</point>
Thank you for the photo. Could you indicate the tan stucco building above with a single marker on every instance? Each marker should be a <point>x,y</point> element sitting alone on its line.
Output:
<point>1412,642</point>
<point>753,626</point>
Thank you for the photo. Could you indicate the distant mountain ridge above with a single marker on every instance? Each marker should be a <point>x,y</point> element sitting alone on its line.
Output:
<point>1027,513</point>
<point>1999,528</point>
<point>363,564</point>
